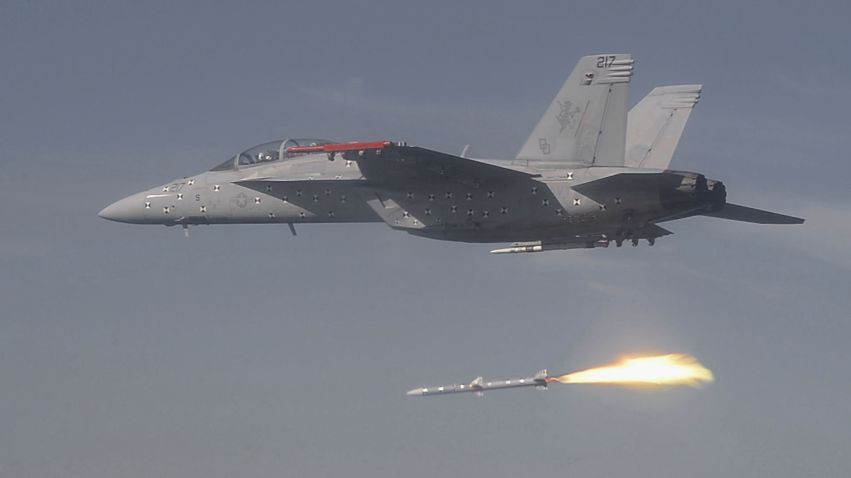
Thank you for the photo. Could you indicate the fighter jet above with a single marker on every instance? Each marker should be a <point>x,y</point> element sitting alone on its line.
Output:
<point>590,173</point>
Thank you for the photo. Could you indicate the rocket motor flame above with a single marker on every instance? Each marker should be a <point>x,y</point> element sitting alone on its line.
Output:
<point>671,369</point>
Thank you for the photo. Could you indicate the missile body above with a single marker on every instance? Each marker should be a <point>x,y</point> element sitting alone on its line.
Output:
<point>538,246</point>
<point>479,386</point>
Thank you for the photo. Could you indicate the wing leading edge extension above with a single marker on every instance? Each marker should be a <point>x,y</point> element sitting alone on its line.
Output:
<point>391,165</point>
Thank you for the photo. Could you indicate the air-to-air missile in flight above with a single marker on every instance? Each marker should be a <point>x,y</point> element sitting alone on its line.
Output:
<point>589,174</point>
<point>654,370</point>
<point>479,386</point>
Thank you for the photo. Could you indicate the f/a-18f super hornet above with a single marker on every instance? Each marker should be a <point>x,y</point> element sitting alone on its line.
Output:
<point>590,173</point>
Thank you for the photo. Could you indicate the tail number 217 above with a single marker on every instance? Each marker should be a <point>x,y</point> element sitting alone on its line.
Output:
<point>605,61</point>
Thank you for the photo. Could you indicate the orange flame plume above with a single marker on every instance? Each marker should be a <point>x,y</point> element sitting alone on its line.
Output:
<point>671,369</point>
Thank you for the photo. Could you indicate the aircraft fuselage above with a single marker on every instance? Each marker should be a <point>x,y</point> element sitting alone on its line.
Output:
<point>310,188</point>
<point>589,173</point>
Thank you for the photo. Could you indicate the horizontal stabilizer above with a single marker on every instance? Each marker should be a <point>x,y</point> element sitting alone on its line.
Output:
<point>734,212</point>
<point>625,184</point>
<point>652,231</point>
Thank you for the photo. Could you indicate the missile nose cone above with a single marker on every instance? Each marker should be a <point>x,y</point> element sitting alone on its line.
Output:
<point>417,392</point>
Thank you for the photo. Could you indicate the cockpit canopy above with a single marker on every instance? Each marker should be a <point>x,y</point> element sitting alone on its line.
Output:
<point>268,152</point>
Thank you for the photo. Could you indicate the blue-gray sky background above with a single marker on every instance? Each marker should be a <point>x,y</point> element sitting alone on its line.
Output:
<point>129,351</point>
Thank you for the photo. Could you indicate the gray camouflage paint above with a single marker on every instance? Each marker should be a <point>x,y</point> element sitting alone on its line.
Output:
<point>579,194</point>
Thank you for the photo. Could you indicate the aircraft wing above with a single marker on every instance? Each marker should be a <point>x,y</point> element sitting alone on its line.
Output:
<point>401,166</point>
<point>390,166</point>
<point>402,175</point>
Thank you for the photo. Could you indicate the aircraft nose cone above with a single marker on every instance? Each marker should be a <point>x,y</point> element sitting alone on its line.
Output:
<point>129,209</point>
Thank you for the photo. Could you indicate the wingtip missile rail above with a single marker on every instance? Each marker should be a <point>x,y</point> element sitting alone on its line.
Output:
<point>478,386</point>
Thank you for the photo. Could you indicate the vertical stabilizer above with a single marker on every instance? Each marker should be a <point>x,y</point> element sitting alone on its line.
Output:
<point>655,124</point>
<point>586,122</point>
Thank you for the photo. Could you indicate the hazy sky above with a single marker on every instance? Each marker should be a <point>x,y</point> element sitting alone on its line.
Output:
<point>130,351</point>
